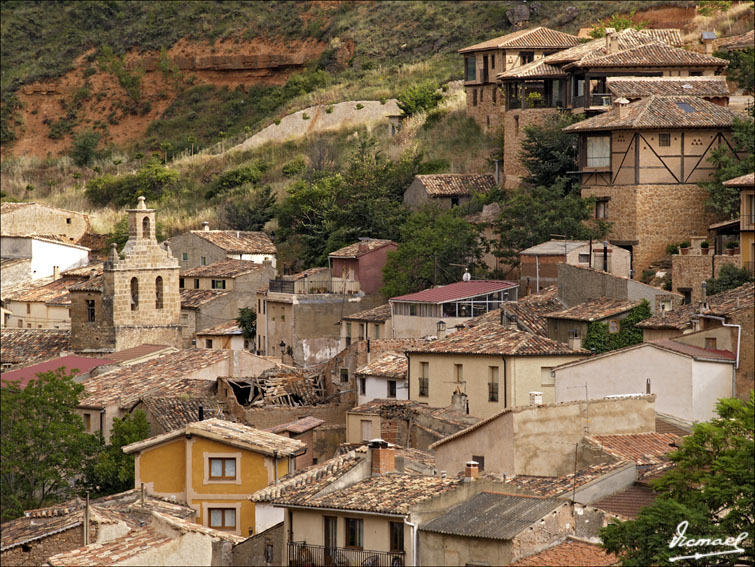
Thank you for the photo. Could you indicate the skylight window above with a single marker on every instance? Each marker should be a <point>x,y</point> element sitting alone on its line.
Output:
<point>686,107</point>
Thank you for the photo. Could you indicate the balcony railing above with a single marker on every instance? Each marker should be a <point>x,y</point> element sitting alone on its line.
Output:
<point>600,99</point>
<point>303,555</point>
<point>308,286</point>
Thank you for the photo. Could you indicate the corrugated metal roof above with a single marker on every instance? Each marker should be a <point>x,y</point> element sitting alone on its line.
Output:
<point>492,515</point>
<point>456,291</point>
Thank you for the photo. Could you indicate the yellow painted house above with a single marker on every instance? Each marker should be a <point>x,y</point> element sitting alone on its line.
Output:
<point>213,466</point>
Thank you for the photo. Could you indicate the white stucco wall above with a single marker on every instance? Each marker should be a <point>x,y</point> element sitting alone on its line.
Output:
<point>256,258</point>
<point>266,516</point>
<point>681,389</point>
<point>378,388</point>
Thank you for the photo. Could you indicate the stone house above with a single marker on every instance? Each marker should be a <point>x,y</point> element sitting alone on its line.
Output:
<point>212,466</point>
<point>48,254</point>
<point>302,429</point>
<point>43,304</point>
<point>432,312</point>
<point>118,393</point>
<point>358,267</point>
<point>725,320</point>
<point>642,162</point>
<point>198,248</point>
<point>570,325</point>
<point>511,442</point>
<point>227,335</point>
<point>687,380</point>
<point>136,299</point>
<point>36,218</point>
<point>538,265</point>
<point>493,528</point>
<point>575,79</point>
<point>42,533</point>
<point>201,309</point>
<point>497,367</point>
<point>384,377</point>
<point>447,190</point>
<point>746,186</point>
<point>374,324</point>
<point>483,62</point>
<point>690,269</point>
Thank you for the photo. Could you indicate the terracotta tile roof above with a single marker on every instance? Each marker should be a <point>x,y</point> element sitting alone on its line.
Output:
<point>390,408</point>
<point>746,180</point>
<point>228,268</point>
<point>85,271</point>
<point>665,423</point>
<point>628,39</point>
<point>177,405</point>
<point>390,493</point>
<point>456,184</point>
<point>570,553</point>
<point>545,295</point>
<point>530,316</point>
<point>744,41</point>
<point>238,241</point>
<point>297,427</point>
<point>378,314</point>
<point>642,448</point>
<point>55,292</point>
<point>195,298</point>
<point>185,526</point>
<point>595,309</point>
<point>131,545</point>
<point>493,339</point>
<point>534,69</point>
<point>492,515</point>
<point>640,87</point>
<point>534,38</point>
<point>128,354</point>
<point>8,262</point>
<point>722,304</point>
<point>24,346</point>
<point>125,506</point>
<point>552,486</point>
<point>359,248</point>
<point>698,353</point>
<point>6,208</point>
<point>299,486</point>
<point>228,328</point>
<point>629,502</point>
<point>656,112</point>
<point>308,273</point>
<point>94,283</point>
<point>234,434</point>
<point>653,54</point>
<point>456,291</point>
<point>670,36</point>
<point>125,386</point>
<point>81,363</point>
<point>388,365</point>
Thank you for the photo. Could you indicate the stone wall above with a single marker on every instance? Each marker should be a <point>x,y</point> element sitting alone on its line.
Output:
<point>15,272</point>
<point>270,416</point>
<point>745,375</point>
<point>37,552</point>
<point>40,219</point>
<point>689,271</point>
<point>514,122</point>
<point>194,247</point>
<point>264,548</point>
<point>485,105</point>
<point>93,336</point>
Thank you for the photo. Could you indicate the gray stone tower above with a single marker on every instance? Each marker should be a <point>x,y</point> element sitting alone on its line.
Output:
<point>140,300</point>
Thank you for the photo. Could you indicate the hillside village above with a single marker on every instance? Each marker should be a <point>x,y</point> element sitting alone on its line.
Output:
<point>404,365</point>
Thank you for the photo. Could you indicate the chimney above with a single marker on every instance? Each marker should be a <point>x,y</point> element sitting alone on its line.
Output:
<point>621,110</point>
<point>536,398</point>
<point>459,400</point>
<point>93,272</point>
<point>612,40</point>
<point>471,471</point>
<point>56,272</point>
<point>707,39</point>
<point>383,457</point>
<point>206,226</point>
<point>363,248</point>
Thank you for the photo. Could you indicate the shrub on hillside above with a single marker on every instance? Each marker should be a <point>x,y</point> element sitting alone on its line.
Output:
<point>234,178</point>
<point>152,181</point>
<point>416,98</point>
<point>84,149</point>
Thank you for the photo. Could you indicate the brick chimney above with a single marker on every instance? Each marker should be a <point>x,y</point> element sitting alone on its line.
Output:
<point>471,471</point>
<point>363,248</point>
<point>383,457</point>
<point>206,226</point>
<point>612,40</point>
<point>707,39</point>
<point>621,107</point>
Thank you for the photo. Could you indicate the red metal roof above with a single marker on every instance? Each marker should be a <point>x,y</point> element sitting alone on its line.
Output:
<point>82,363</point>
<point>456,291</point>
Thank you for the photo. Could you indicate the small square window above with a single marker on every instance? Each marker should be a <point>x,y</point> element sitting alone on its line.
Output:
<point>223,468</point>
<point>664,140</point>
<point>223,518</point>
<point>208,343</point>
<point>218,284</point>
<point>203,260</point>
<point>601,209</point>
<point>68,220</point>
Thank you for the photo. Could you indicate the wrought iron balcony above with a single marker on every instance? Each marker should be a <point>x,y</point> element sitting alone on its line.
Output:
<point>301,554</point>
<point>309,286</point>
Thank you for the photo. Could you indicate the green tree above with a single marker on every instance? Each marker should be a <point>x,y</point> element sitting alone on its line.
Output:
<point>152,181</point>
<point>44,445</point>
<point>113,470</point>
<point>712,487</point>
<point>601,340</point>
<point>421,97</point>
<point>84,149</point>
<point>548,152</point>
<point>725,200</point>
<point>249,209</point>
<point>741,67</point>
<point>432,241</point>
<point>728,278</point>
<point>247,321</point>
<point>119,236</point>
